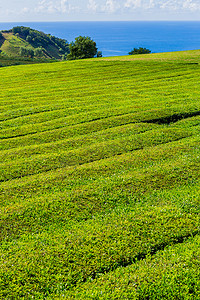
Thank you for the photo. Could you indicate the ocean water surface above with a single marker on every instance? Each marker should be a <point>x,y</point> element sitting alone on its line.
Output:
<point>118,38</point>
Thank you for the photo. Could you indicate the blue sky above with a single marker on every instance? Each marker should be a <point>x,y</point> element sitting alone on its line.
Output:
<point>98,10</point>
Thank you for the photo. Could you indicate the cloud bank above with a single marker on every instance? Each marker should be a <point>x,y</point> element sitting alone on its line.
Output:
<point>131,5</point>
<point>115,6</point>
<point>99,9</point>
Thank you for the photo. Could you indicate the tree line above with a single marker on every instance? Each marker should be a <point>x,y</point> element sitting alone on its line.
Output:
<point>139,51</point>
<point>83,46</point>
<point>29,52</point>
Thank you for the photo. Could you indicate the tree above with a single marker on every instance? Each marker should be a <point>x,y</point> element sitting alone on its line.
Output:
<point>83,47</point>
<point>27,52</point>
<point>29,39</point>
<point>139,51</point>
<point>99,54</point>
<point>38,52</point>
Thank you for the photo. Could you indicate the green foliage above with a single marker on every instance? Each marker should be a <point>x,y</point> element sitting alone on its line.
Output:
<point>170,274</point>
<point>38,52</point>
<point>13,61</point>
<point>27,52</point>
<point>47,46</point>
<point>83,47</point>
<point>38,39</point>
<point>99,181</point>
<point>99,54</point>
<point>139,50</point>
<point>28,38</point>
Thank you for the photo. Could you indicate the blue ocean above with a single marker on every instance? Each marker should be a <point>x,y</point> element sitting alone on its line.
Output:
<point>118,38</point>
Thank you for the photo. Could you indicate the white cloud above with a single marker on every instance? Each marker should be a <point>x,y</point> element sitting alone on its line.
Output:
<point>170,4</point>
<point>114,6</point>
<point>191,5</point>
<point>92,5</point>
<point>178,5</point>
<point>133,4</point>
<point>61,6</point>
<point>152,4</point>
<point>143,4</point>
<point>109,6</point>
<point>25,10</point>
<point>102,9</point>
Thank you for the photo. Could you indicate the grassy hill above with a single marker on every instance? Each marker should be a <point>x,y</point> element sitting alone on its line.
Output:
<point>99,181</point>
<point>24,42</point>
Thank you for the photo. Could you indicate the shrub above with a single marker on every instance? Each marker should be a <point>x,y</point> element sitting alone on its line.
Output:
<point>139,51</point>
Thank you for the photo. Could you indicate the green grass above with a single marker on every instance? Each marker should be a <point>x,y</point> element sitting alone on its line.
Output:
<point>12,44</point>
<point>10,52</point>
<point>6,60</point>
<point>99,181</point>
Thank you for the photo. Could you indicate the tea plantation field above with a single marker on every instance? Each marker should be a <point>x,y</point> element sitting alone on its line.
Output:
<point>99,178</point>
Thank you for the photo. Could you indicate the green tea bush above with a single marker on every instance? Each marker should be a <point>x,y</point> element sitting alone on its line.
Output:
<point>99,181</point>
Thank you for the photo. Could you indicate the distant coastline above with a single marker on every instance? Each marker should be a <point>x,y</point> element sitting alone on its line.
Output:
<point>118,38</point>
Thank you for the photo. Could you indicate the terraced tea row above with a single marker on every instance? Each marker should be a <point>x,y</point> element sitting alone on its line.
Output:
<point>99,150</point>
<point>172,273</point>
<point>99,165</point>
<point>103,184</point>
<point>91,248</point>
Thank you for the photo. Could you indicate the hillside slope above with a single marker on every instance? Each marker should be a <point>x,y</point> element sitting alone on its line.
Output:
<point>99,181</point>
<point>13,41</point>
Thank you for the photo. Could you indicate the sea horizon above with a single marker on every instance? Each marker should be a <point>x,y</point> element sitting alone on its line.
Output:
<point>116,38</point>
